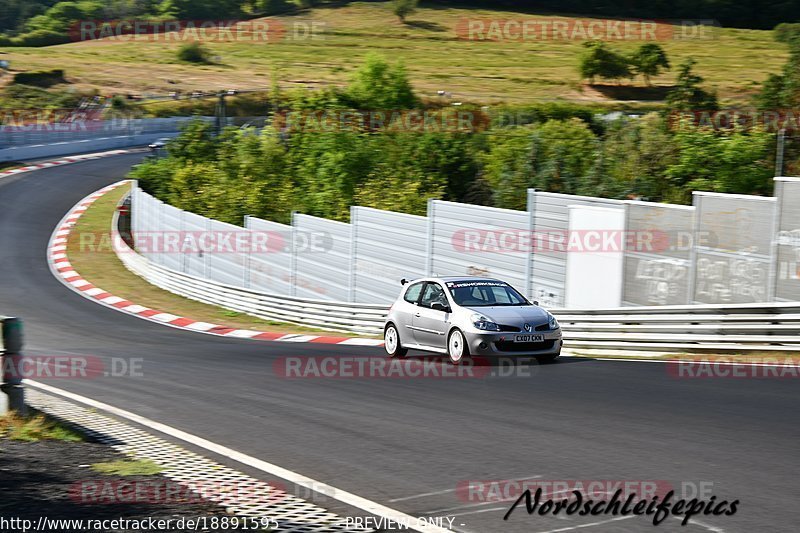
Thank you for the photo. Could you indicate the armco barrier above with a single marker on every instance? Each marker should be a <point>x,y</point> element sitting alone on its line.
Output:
<point>27,144</point>
<point>741,327</point>
<point>736,327</point>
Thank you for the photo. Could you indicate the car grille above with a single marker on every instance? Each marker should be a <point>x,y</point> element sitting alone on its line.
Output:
<point>503,327</point>
<point>508,346</point>
<point>543,327</point>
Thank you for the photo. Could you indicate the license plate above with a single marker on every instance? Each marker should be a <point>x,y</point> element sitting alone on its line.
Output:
<point>528,338</point>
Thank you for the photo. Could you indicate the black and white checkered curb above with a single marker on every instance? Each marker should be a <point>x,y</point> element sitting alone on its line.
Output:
<point>238,493</point>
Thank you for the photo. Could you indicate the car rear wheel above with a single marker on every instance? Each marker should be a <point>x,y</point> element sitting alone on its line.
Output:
<point>391,341</point>
<point>457,347</point>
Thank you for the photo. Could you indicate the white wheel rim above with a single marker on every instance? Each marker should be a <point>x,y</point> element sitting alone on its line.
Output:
<point>390,340</point>
<point>456,346</point>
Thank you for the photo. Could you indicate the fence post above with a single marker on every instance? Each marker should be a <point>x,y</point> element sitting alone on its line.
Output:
<point>12,359</point>
<point>353,252</point>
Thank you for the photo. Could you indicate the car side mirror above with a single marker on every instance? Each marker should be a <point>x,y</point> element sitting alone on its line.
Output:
<point>439,306</point>
<point>535,302</point>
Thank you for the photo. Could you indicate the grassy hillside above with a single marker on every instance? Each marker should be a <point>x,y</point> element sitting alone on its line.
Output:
<point>733,63</point>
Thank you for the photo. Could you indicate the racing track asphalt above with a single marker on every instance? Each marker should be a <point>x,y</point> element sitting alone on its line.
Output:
<point>393,440</point>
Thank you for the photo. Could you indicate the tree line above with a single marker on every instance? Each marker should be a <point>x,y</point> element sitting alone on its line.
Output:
<point>564,149</point>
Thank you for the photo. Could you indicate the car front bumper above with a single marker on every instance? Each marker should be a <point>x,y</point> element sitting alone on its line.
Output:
<point>502,344</point>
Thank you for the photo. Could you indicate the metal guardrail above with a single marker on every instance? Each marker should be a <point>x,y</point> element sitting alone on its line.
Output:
<point>739,327</point>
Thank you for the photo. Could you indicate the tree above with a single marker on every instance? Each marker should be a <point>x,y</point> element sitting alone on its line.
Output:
<point>730,161</point>
<point>194,53</point>
<point>508,166</point>
<point>598,60</point>
<point>379,85</point>
<point>783,90</point>
<point>648,61</point>
<point>632,159</point>
<point>403,8</point>
<point>687,95</point>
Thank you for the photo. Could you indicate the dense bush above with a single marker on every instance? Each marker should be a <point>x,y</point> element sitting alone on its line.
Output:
<point>272,173</point>
<point>17,96</point>
<point>194,53</point>
<point>43,78</point>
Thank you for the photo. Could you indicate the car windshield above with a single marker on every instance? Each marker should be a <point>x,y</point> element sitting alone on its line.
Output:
<point>485,294</point>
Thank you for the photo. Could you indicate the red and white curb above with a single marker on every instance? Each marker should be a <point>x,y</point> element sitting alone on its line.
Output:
<point>61,267</point>
<point>63,161</point>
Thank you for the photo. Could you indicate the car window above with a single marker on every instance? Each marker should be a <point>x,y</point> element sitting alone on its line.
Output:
<point>412,294</point>
<point>485,293</point>
<point>433,293</point>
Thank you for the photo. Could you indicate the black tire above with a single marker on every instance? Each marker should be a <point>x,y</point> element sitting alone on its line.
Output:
<point>545,359</point>
<point>393,348</point>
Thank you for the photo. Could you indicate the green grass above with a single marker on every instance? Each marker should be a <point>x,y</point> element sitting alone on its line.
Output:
<point>128,467</point>
<point>733,63</point>
<point>101,267</point>
<point>35,428</point>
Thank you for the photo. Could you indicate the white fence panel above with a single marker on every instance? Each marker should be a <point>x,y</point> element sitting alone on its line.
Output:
<point>195,261</point>
<point>733,248</point>
<point>227,258</point>
<point>271,270</point>
<point>387,247</point>
<point>787,249</point>
<point>660,275</point>
<point>322,258</point>
<point>594,274</point>
<point>479,241</point>
<point>169,237</point>
<point>550,212</point>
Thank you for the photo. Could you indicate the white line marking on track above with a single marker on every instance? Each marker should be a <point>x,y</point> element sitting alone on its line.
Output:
<point>711,528</point>
<point>675,361</point>
<point>480,511</point>
<point>588,525</point>
<point>345,497</point>
<point>445,491</point>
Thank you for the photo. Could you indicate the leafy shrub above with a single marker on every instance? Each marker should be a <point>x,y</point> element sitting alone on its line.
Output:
<point>194,53</point>
<point>43,78</point>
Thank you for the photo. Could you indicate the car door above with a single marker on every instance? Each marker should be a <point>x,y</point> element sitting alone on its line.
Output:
<point>406,308</point>
<point>430,325</point>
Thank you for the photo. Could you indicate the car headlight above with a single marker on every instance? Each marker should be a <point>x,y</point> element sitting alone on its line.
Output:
<point>483,323</point>
<point>553,323</point>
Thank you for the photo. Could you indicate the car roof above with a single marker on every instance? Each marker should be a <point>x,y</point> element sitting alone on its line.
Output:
<point>461,279</point>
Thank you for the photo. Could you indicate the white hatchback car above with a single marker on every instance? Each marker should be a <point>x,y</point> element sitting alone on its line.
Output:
<point>463,316</point>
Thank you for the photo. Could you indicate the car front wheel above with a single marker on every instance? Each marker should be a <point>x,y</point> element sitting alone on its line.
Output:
<point>391,341</point>
<point>457,347</point>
